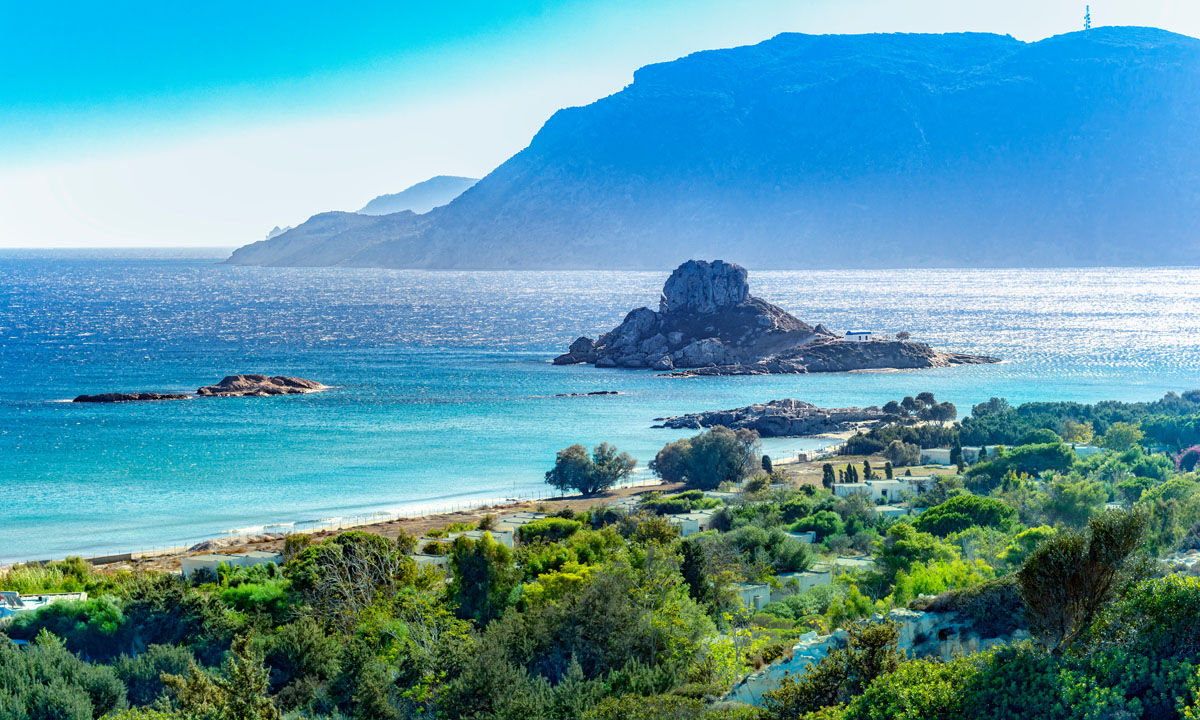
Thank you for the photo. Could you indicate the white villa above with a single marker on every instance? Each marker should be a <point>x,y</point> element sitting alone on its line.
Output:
<point>886,491</point>
<point>12,602</point>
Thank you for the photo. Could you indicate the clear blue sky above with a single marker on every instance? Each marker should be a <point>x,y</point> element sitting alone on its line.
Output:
<point>205,123</point>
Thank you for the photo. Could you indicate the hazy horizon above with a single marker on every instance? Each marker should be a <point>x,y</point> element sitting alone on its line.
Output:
<point>206,128</point>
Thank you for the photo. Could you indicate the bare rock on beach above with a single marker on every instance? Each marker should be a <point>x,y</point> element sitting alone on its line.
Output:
<point>259,386</point>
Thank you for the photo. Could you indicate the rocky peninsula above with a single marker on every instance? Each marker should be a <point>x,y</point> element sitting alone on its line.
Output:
<point>230,386</point>
<point>779,418</point>
<point>709,324</point>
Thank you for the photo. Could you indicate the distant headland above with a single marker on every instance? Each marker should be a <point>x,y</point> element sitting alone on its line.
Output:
<point>708,323</point>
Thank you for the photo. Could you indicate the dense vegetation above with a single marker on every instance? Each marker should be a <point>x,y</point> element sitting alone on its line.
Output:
<point>611,614</point>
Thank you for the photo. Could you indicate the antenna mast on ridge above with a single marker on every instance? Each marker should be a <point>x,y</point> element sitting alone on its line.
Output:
<point>1087,17</point>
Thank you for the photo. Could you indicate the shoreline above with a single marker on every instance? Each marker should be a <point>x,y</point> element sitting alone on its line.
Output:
<point>167,559</point>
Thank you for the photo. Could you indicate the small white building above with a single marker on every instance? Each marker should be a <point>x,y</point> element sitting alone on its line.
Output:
<point>935,456</point>
<point>754,596</point>
<point>209,563</point>
<point>886,491</point>
<point>441,562</point>
<point>891,511</point>
<point>843,490</point>
<point>693,522</point>
<point>807,538</point>
<point>502,534</point>
<point>12,602</point>
<point>858,335</point>
<point>794,583</point>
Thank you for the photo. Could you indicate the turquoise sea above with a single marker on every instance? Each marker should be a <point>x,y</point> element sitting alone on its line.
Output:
<point>443,392</point>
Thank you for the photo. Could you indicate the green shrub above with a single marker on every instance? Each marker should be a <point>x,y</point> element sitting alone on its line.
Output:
<point>549,529</point>
<point>142,673</point>
<point>46,682</point>
<point>823,523</point>
<point>965,511</point>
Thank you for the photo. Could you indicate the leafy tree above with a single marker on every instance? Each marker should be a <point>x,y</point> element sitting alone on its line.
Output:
<point>1023,544</point>
<point>1187,460</point>
<point>767,467</point>
<point>709,459</point>
<point>1072,502</point>
<point>956,453</point>
<point>827,477</point>
<point>575,470</point>
<point>46,682</point>
<point>1040,436</point>
<point>868,474</point>
<point>926,399</point>
<point>1028,459</point>
<point>239,692</point>
<point>142,674</point>
<point>823,523</point>
<point>1122,436</point>
<point>347,574</point>
<point>302,651</point>
<point>485,574</point>
<point>903,546</point>
<point>964,511</point>
<point>1076,432</point>
<point>888,472</point>
<point>1068,578</point>
<point>900,453</point>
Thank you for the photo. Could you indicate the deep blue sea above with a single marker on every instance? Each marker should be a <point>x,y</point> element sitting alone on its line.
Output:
<point>443,391</point>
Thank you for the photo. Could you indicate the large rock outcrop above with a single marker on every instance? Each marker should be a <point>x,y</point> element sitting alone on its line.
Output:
<point>709,323</point>
<point>259,386</point>
<point>779,418</point>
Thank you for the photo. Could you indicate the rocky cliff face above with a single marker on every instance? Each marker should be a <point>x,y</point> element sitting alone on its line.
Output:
<point>709,323</point>
<point>779,418</point>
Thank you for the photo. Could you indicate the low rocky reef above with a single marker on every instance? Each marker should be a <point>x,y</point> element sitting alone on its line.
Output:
<point>230,386</point>
<point>128,397</point>
<point>779,418</point>
<point>709,324</point>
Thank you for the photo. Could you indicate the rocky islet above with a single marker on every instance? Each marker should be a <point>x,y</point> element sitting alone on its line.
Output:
<point>708,323</point>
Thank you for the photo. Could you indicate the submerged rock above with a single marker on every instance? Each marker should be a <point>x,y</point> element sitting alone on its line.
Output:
<point>114,397</point>
<point>708,323</point>
<point>259,386</point>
